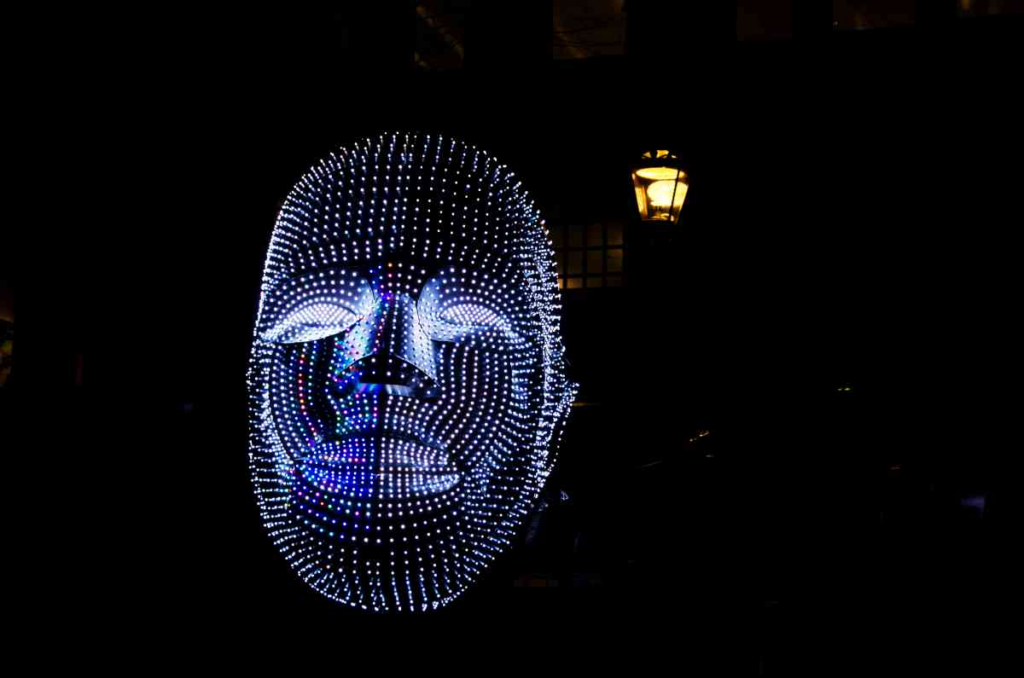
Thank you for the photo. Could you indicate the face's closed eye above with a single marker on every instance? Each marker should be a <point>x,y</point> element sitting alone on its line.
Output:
<point>470,314</point>
<point>314,307</point>
<point>462,304</point>
<point>310,322</point>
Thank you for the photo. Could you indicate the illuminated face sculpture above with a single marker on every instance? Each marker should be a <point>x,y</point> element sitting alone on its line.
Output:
<point>407,385</point>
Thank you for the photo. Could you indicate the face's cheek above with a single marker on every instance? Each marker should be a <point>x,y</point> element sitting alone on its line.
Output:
<point>473,419</point>
<point>300,412</point>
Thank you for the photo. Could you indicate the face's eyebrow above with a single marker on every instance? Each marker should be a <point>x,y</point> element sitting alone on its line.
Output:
<point>321,278</point>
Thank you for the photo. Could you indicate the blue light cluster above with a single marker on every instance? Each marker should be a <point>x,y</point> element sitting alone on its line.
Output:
<point>407,385</point>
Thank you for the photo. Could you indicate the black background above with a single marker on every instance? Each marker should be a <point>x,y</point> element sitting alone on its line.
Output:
<point>850,222</point>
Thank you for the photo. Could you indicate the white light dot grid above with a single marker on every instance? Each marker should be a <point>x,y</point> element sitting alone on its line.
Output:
<point>407,384</point>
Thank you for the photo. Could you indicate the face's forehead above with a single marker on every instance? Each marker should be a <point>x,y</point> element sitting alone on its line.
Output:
<point>425,203</point>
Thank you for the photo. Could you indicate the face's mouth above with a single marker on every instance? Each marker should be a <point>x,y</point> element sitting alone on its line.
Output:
<point>380,465</point>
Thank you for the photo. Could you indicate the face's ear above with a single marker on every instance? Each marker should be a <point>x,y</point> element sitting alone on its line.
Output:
<point>560,416</point>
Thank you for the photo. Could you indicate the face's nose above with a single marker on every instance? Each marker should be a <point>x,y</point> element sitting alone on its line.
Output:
<point>391,351</point>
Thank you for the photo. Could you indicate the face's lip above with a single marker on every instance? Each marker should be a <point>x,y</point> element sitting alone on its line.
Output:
<point>383,453</point>
<point>381,465</point>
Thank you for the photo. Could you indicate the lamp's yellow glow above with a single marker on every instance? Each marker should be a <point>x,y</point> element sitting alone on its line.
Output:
<point>660,193</point>
<point>659,173</point>
<point>661,189</point>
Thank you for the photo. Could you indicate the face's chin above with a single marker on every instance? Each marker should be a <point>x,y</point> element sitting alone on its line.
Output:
<point>380,465</point>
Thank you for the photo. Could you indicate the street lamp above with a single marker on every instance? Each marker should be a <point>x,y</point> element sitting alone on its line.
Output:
<point>661,186</point>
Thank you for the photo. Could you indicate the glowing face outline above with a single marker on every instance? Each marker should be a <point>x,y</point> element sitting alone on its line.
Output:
<point>407,387</point>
